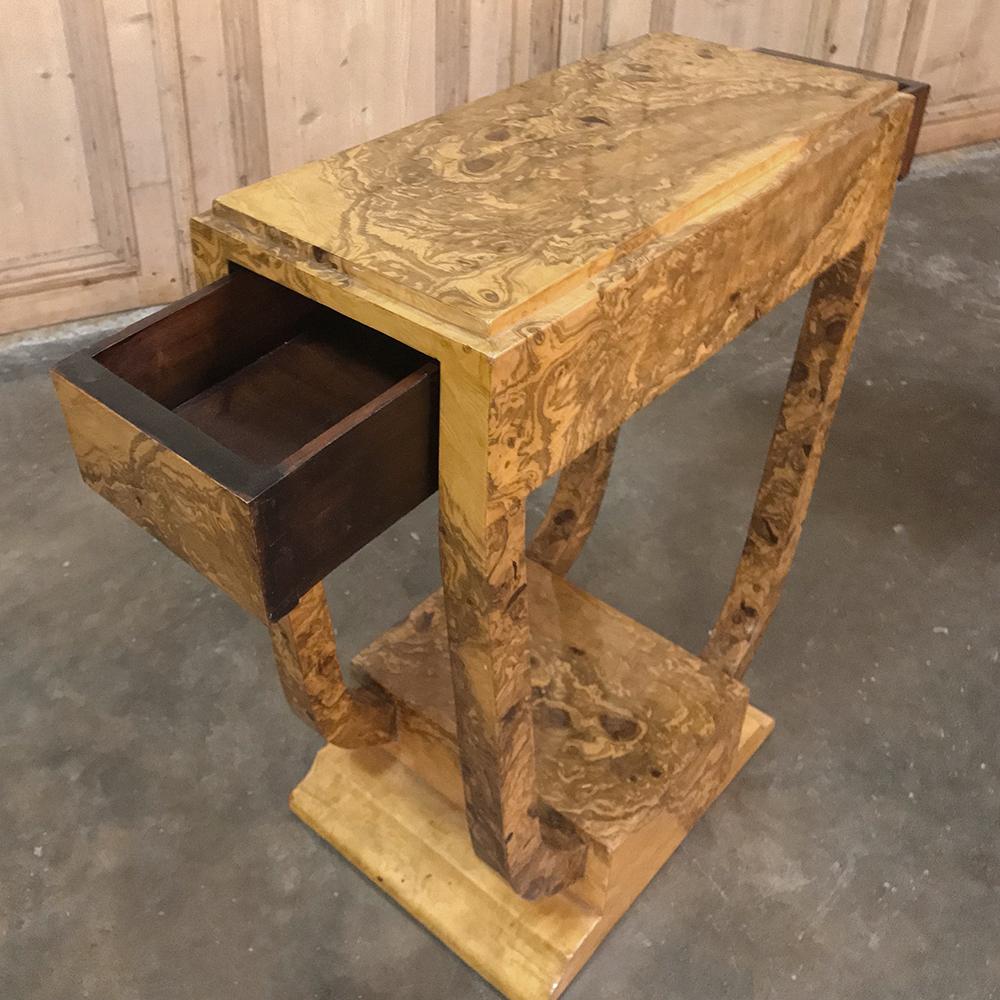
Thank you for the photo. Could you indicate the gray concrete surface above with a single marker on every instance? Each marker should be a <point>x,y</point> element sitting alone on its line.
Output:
<point>146,850</point>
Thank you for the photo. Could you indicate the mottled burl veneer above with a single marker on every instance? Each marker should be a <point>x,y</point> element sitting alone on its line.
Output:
<point>305,651</point>
<point>833,318</point>
<point>574,507</point>
<point>476,216</point>
<point>567,250</point>
<point>196,517</point>
<point>626,723</point>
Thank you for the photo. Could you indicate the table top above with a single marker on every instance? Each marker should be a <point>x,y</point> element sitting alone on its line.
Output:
<point>481,215</point>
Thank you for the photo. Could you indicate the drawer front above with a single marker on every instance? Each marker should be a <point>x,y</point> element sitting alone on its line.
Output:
<point>183,507</point>
<point>262,445</point>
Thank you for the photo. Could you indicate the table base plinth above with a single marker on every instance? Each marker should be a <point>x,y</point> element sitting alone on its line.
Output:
<point>413,843</point>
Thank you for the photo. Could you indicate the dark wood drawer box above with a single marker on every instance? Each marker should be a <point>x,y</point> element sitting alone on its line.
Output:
<point>259,435</point>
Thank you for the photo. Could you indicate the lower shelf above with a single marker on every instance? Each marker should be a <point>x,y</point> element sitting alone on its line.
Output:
<point>628,725</point>
<point>413,843</point>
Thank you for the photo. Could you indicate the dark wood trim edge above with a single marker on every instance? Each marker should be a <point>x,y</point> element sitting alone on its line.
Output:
<point>920,92</point>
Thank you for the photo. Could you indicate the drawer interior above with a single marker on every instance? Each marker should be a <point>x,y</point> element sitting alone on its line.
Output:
<point>259,368</point>
<point>261,436</point>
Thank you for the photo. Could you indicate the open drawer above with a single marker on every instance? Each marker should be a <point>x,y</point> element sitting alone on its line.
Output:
<point>262,437</point>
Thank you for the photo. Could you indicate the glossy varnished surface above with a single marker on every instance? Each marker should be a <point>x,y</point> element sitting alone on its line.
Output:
<point>189,511</point>
<point>581,334</point>
<point>626,723</point>
<point>565,252</point>
<point>481,214</point>
<point>811,395</point>
<point>648,321</point>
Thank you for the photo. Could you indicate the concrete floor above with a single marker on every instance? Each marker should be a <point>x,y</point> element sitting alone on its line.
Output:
<point>146,753</point>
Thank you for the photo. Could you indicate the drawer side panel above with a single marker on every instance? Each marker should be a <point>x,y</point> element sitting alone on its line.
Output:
<point>194,516</point>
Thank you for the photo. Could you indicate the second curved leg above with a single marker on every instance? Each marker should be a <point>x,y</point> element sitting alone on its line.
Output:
<point>574,508</point>
<point>305,651</point>
<point>813,389</point>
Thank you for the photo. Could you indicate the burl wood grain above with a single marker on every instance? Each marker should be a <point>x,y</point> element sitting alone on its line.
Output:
<point>305,651</point>
<point>814,385</point>
<point>194,516</point>
<point>628,218</point>
<point>480,213</point>
<point>484,574</point>
<point>574,507</point>
<point>590,361</point>
<point>626,724</point>
<point>577,376</point>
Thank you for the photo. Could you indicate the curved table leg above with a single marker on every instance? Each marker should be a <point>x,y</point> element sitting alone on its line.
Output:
<point>814,384</point>
<point>574,508</point>
<point>306,655</point>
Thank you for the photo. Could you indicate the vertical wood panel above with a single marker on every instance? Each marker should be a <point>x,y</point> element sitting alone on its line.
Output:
<point>819,41</point>
<point>943,50</point>
<point>244,74</point>
<point>336,75</point>
<point>627,19</point>
<point>100,132</point>
<point>95,134</point>
<point>490,26</point>
<point>159,18</point>
<point>594,25</point>
<point>520,55</point>
<point>776,24</point>
<point>979,67</point>
<point>882,35</point>
<point>843,31</point>
<point>954,47</point>
<point>913,37</point>
<point>142,44</point>
<point>571,31</point>
<point>45,185</point>
<point>582,30</point>
<point>451,53</point>
<point>661,17</point>
<point>205,74</point>
<point>417,80</point>
<point>546,23</point>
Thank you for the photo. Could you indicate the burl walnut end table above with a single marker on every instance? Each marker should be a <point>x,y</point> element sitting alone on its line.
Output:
<point>470,305</point>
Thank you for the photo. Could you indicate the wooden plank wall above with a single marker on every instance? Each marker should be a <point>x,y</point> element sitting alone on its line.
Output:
<point>133,114</point>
